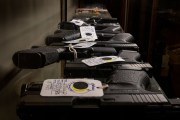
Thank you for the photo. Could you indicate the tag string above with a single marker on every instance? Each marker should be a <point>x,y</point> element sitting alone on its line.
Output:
<point>104,86</point>
<point>71,49</point>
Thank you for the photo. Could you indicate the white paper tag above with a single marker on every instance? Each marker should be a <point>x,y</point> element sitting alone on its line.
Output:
<point>77,22</point>
<point>72,87</point>
<point>88,32</point>
<point>101,60</point>
<point>84,45</point>
<point>79,40</point>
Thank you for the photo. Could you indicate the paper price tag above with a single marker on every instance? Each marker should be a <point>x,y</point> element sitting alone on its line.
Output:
<point>72,87</point>
<point>79,40</point>
<point>88,32</point>
<point>101,60</point>
<point>77,22</point>
<point>84,45</point>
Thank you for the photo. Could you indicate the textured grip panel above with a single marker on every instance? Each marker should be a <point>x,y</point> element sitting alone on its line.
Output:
<point>136,79</point>
<point>37,57</point>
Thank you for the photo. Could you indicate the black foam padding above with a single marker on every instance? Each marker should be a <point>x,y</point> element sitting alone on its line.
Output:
<point>130,56</point>
<point>37,57</point>
<point>124,37</point>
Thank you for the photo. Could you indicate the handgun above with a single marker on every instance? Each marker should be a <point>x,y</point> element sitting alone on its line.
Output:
<point>42,56</point>
<point>77,69</point>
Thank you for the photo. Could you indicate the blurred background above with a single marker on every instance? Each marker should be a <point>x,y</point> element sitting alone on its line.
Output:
<point>24,23</point>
